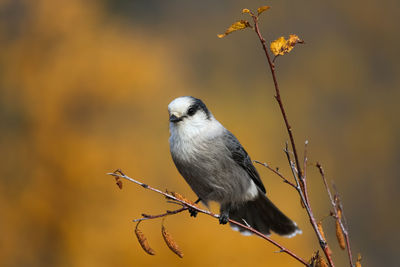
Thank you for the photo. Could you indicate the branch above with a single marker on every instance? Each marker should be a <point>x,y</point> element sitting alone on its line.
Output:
<point>277,173</point>
<point>277,93</point>
<point>186,205</point>
<point>169,212</point>
<point>335,205</point>
<point>297,173</point>
<point>304,178</point>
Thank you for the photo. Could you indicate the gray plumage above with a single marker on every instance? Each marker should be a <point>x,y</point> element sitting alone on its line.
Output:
<point>217,168</point>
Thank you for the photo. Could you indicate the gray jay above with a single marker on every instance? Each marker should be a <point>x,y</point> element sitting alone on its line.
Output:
<point>217,168</point>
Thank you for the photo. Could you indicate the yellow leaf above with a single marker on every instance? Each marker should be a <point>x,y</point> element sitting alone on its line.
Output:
<point>293,38</point>
<point>246,11</point>
<point>358,263</point>
<point>282,46</point>
<point>277,46</point>
<point>261,9</point>
<point>238,25</point>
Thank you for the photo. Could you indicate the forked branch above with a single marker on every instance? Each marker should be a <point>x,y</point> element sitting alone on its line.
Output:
<point>187,205</point>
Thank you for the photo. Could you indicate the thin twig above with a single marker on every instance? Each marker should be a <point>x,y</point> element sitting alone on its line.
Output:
<point>277,93</point>
<point>303,179</point>
<point>335,210</point>
<point>305,160</point>
<point>296,173</point>
<point>322,172</point>
<point>276,172</point>
<point>322,242</point>
<point>337,204</point>
<point>169,212</point>
<point>188,205</point>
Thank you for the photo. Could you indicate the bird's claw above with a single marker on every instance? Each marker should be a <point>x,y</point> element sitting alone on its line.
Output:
<point>223,218</point>
<point>193,213</point>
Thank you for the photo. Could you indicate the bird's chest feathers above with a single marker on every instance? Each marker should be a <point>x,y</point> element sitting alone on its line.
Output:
<point>188,143</point>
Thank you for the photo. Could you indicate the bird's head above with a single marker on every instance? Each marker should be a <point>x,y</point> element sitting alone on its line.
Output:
<point>187,111</point>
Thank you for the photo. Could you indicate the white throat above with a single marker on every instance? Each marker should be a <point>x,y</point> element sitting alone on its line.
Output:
<point>195,129</point>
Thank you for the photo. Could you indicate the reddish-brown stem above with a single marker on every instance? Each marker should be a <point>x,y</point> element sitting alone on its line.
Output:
<point>296,173</point>
<point>335,210</point>
<point>187,205</point>
<point>276,172</point>
<point>277,94</point>
<point>304,178</point>
<point>169,212</point>
<point>311,217</point>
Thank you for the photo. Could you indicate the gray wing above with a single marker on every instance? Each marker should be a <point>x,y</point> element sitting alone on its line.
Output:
<point>240,156</point>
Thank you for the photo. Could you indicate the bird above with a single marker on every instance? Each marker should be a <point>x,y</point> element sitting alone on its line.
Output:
<point>217,168</point>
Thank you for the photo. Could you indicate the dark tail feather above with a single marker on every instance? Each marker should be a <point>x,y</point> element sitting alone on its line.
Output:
<point>262,215</point>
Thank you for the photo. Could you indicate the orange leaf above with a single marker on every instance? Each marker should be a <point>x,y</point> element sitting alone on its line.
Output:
<point>321,230</point>
<point>340,235</point>
<point>170,242</point>
<point>143,241</point>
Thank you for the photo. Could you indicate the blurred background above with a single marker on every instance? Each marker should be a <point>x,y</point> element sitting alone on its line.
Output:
<point>84,89</point>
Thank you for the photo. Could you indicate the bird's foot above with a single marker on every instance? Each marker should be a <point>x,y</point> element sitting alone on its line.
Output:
<point>223,218</point>
<point>193,213</point>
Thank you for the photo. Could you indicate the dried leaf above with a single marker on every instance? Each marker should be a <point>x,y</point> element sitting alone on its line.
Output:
<point>317,261</point>
<point>293,38</point>
<point>340,235</point>
<point>180,197</point>
<point>292,41</point>
<point>143,241</point>
<point>261,9</point>
<point>118,182</point>
<point>246,11</point>
<point>320,262</point>
<point>313,258</point>
<point>281,46</point>
<point>321,230</point>
<point>277,46</point>
<point>358,263</point>
<point>238,25</point>
<point>170,242</point>
<point>339,213</point>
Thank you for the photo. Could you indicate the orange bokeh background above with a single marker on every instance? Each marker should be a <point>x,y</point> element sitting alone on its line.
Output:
<point>84,90</point>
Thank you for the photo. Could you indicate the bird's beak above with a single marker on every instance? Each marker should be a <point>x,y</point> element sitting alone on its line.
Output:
<point>174,118</point>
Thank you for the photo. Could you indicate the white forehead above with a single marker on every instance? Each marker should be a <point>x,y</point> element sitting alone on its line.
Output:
<point>180,104</point>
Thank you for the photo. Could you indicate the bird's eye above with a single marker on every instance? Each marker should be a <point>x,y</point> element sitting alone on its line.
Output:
<point>191,111</point>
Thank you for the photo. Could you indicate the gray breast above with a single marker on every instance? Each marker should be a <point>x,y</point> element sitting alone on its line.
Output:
<point>209,169</point>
